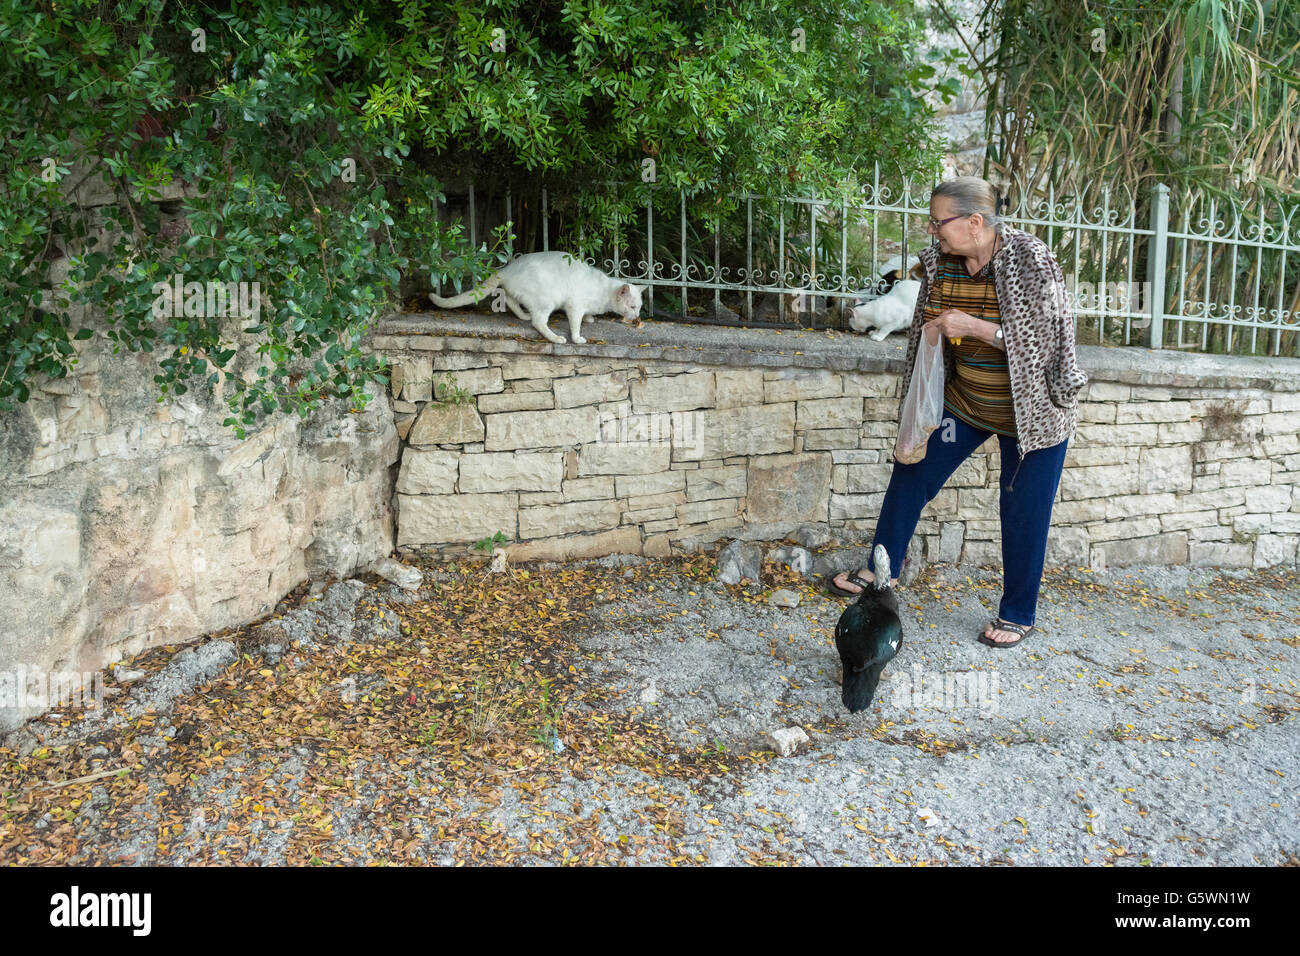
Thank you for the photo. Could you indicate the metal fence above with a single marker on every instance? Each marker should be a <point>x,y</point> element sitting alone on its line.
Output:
<point>1188,279</point>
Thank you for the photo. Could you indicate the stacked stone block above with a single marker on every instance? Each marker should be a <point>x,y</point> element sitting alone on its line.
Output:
<point>572,455</point>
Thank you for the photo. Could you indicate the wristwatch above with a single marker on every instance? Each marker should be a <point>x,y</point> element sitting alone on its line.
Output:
<point>997,335</point>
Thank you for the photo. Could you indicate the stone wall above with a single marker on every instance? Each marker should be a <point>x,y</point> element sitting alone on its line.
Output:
<point>126,524</point>
<point>1177,458</point>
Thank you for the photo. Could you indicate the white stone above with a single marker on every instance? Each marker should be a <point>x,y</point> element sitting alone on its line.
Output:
<point>871,385</point>
<point>603,458</point>
<point>508,431</point>
<point>1281,423</point>
<point>584,489</point>
<point>738,387</point>
<point>691,512</point>
<point>817,439</point>
<point>1268,499</point>
<point>1099,481</point>
<point>626,486</point>
<point>861,479</point>
<point>589,389</point>
<point>455,519</point>
<point>674,393</point>
<point>1245,471</point>
<point>447,425</point>
<point>787,740</point>
<point>787,489</point>
<point>516,401</point>
<point>1107,392</point>
<point>546,521</point>
<point>403,575</point>
<point>428,472</point>
<point>783,597</point>
<point>828,413</point>
<point>511,471</point>
<point>719,482</point>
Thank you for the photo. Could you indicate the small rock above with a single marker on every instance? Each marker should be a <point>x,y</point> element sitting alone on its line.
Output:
<point>783,598</point>
<point>403,575</point>
<point>811,536</point>
<point>126,676</point>
<point>740,559</point>
<point>498,560</point>
<point>788,739</point>
<point>650,693</point>
<point>317,587</point>
<point>798,560</point>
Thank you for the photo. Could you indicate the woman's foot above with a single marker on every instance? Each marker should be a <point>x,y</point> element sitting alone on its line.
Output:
<point>841,580</point>
<point>999,636</point>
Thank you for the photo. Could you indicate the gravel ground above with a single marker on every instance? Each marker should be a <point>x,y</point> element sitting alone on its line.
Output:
<point>1152,717</point>
<point>1150,720</point>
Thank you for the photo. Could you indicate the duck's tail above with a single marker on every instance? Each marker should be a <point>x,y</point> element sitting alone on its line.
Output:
<point>881,568</point>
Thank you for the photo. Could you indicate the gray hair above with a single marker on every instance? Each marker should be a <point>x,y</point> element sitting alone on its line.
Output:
<point>969,195</point>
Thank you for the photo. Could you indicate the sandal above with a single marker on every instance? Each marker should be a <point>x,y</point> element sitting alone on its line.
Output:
<point>852,577</point>
<point>1001,625</point>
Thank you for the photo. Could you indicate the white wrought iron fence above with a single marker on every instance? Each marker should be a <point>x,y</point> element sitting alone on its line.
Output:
<point>1150,284</point>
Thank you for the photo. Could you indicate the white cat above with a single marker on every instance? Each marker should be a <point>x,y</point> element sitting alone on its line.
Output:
<point>536,284</point>
<point>889,312</point>
<point>893,309</point>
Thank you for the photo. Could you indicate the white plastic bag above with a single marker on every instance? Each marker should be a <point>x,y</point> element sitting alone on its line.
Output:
<point>923,407</point>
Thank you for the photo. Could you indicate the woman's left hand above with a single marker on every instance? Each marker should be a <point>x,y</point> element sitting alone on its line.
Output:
<point>952,323</point>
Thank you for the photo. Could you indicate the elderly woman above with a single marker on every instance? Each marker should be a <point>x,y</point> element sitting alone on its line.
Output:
<point>997,295</point>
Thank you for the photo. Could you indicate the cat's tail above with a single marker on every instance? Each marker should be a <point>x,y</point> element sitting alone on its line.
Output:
<point>470,297</point>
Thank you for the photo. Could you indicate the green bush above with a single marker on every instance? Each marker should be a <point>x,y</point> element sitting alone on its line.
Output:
<point>263,114</point>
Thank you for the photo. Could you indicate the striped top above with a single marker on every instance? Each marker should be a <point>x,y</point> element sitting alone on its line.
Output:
<point>979,390</point>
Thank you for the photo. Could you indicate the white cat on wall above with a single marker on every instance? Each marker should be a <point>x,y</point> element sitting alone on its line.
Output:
<point>539,283</point>
<point>893,310</point>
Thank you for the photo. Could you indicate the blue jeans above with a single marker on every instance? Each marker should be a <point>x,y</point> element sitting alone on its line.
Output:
<point>1028,489</point>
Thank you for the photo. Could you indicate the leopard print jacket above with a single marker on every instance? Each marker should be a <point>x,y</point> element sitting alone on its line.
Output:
<point>1038,330</point>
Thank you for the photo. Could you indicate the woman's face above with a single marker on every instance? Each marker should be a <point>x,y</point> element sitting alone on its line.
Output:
<point>954,236</point>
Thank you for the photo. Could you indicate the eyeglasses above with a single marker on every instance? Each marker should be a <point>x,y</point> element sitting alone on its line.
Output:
<point>939,224</point>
